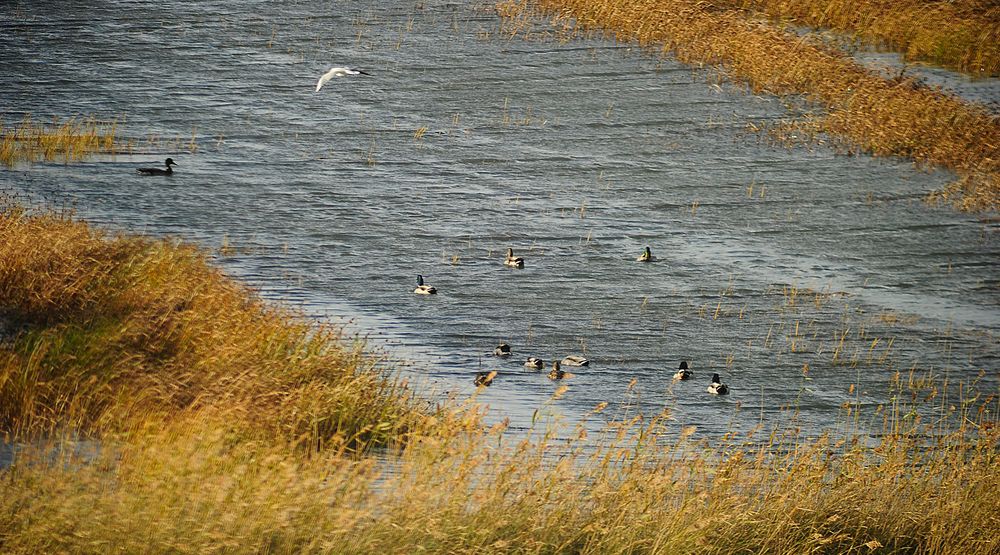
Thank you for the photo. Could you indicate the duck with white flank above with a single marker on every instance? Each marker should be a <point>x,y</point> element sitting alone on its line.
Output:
<point>575,360</point>
<point>717,387</point>
<point>502,350</point>
<point>424,289</point>
<point>513,261</point>
<point>338,72</point>
<point>159,171</point>
<point>646,256</point>
<point>682,372</point>
<point>534,363</point>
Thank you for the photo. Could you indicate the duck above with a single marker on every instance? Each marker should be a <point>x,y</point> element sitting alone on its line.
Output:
<point>556,373</point>
<point>575,360</point>
<point>485,378</point>
<point>513,261</point>
<point>682,372</point>
<point>159,171</point>
<point>338,72</point>
<point>534,363</point>
<point>423,289</point>
<point>502,350</point>
<point>646,256</point>
<point>717,387</point>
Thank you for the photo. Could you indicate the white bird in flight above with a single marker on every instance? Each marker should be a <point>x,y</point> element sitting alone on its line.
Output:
<point>337,72</point>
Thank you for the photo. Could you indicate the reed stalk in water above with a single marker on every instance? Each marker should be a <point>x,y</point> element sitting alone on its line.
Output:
<point>70,141</point>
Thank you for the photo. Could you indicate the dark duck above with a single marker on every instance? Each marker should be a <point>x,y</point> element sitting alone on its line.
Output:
<point>159,171</point>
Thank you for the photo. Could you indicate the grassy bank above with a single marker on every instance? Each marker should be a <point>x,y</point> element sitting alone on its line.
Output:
<point>157,406</point>
<point>862,111</point>
<point>113,333</point>
<point>962,35</point>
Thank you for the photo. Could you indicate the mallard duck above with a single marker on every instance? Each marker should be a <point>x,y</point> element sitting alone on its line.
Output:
<point>534,363</point>
<point>575,360</point>
<point>513,261</point>
<point>717,387</point>
<point>424,289</point>
<point>556,373</point>
<point>502,350</point>
<point>159,171</point>
<point>485,378</point>
<point>682,372</point>
<point>646,256</point>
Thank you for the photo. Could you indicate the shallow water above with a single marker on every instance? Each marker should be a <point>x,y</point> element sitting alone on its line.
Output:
<point>575,154</point>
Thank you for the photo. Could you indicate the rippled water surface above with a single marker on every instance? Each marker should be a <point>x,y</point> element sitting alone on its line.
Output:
<point>793,273</point>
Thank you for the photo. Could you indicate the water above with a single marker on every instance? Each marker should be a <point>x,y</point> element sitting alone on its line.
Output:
<point>464,143</point>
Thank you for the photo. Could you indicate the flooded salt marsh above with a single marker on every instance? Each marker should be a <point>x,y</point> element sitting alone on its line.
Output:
<point>805,278</point>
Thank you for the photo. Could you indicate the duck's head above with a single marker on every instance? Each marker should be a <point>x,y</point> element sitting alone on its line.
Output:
<point>683,366</point>
<point>555,365</point>
<point>510,252</point>
<point>420,279</point>
<point>647,252</point>
<point>715,378</point>
<point>170,162</point>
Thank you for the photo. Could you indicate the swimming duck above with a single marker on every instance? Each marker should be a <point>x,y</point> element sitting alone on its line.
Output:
<point>502,350</point>
<point>424,289</point>
<point>513,261</point>
<point>575,360</point>
<point>556,373</point>
<point>485,378</point>
<point>646,256</point>
<point>159,171</point>
<point>682,372</point>
<point>717,387</point>
<point>534,363</point>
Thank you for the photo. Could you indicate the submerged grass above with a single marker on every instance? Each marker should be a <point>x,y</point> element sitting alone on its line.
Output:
<point>863,111</point>
<point>219,394</point>
<point>70,141</point>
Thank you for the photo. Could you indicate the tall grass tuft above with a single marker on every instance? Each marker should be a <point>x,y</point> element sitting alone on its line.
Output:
<point>70,141</point>
<point>884,117</point>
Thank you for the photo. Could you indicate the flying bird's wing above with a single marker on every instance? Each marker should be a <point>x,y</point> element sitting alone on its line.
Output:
<point>322,80</point>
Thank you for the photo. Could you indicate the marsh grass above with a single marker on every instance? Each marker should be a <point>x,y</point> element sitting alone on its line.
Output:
<point>958,34</point>
<point>69,141</point>
<point>862,111</point>
<point>224,425</point>
<point>110,332</point>
<point>643,486</point>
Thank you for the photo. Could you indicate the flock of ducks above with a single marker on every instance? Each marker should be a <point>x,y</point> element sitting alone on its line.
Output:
<point>503,350</point>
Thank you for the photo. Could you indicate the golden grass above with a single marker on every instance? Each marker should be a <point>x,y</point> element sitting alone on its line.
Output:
<point>646,488</point>
<point>958,34</point>
<point>69,141</point>
<point>219,394</point>
<point>884,117</point>
<point>112,333</point>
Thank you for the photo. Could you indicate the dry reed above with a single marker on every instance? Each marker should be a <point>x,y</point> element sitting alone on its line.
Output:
<point>884,117</point>
<point>69,141</point>
<point>957,34</point>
